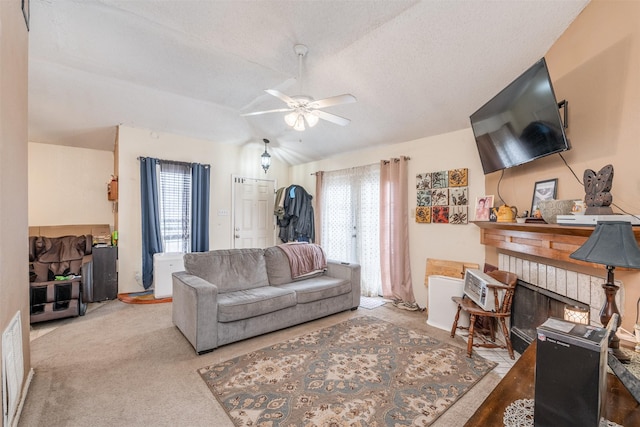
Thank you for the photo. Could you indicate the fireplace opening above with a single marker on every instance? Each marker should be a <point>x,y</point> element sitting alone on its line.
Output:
<point>531,307</point>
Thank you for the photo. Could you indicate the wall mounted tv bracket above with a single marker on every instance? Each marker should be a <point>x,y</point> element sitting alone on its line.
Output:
<point>565,117</point>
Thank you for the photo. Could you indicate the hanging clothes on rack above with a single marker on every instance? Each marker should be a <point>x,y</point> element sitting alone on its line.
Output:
<point>297,223</point>
<point>278,207</point>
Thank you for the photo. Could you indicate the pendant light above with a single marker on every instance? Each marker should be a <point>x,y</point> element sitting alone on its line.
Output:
<point>266,157</point>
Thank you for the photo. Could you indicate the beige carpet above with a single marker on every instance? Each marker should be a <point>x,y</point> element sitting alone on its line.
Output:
<point>127,365</point>
<point>363,371</point>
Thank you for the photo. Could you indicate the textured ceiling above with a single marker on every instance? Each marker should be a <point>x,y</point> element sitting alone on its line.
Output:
<point>417,68</point>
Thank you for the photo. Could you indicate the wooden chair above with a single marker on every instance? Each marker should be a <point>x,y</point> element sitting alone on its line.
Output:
<point>502,312</point>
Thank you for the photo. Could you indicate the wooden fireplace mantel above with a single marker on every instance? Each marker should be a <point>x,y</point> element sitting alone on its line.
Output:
<point>551,241</point>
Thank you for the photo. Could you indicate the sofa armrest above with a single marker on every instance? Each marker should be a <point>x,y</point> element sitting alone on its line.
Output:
<point>346,271</point>
<point>195,310</point>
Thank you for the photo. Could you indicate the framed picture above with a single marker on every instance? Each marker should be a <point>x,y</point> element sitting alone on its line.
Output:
<point>543,190</point>
<point>26,11</point>
<point>483,207</point>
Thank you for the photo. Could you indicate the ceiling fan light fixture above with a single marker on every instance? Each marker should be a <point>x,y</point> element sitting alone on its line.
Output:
<point>291,118</point>
<point>297,120</point>
<point>299,124</point>
<point>311,119</point>
<point>304,111</point>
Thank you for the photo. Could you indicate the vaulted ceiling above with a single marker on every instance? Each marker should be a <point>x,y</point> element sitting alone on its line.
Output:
<point>417,68</point>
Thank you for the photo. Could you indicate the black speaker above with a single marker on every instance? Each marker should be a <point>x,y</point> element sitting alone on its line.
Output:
<point>571,363</point>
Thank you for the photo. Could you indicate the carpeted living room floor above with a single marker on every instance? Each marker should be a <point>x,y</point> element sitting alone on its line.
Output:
<point>127,365</point>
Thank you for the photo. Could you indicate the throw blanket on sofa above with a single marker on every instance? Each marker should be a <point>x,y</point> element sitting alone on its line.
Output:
<point>304,258</point>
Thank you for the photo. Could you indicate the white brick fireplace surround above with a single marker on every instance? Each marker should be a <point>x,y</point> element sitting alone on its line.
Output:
<point>571,284</point>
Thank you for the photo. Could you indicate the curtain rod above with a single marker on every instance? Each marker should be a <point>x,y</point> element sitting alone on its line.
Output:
<point>405,157</point>
<point>175,162</point>
<point>396,159</point>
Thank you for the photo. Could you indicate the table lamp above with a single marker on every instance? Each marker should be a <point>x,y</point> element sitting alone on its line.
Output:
<point>612,244</point>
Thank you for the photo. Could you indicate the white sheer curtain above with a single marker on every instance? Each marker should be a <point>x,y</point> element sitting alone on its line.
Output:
<point>349,217</point>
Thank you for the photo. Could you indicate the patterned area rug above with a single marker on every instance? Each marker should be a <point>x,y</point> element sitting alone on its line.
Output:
<point>362,372</point>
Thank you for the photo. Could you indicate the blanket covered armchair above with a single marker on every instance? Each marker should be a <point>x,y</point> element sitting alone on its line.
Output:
<point>60,274</point>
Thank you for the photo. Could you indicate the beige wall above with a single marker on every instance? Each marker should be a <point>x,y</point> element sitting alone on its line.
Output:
<point>14,278</point>
<point>443,241</point>
<point>68,185</point>
<point>595,66</point>
<point>225,161</point>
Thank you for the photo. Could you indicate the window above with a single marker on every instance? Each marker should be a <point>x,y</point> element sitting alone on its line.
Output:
<point>350,221</point>
<point>174,203</point>
<point>174,206</point>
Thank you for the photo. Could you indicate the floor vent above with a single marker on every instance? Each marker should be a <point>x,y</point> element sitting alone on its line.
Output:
<point>12,369</point>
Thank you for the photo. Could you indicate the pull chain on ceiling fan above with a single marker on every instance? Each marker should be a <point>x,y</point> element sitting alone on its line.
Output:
<point>303,109</point>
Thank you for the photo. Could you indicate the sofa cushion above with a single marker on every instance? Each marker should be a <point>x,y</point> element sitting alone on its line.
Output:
<point>229,269</point>
<point>278,269</point>
<point>318,288</point>
<point>244,304</point>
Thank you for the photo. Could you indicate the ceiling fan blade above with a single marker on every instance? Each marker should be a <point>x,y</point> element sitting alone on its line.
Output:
<point>281,96</point>
<point>279,110</point>
<point>331,117</point>
<point>333,100</point>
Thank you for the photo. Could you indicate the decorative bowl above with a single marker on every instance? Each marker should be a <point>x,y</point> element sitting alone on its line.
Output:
<point>550,209</point>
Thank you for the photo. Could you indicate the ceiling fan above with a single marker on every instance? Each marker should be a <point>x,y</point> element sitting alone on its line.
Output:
<point>303,109</point>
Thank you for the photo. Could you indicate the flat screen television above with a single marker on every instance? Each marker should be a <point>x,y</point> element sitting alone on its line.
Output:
<point>521,123</point>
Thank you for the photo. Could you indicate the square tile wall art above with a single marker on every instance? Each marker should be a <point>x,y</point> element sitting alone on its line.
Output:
<point>459,196</point>
<point>458,214</point>
<point>423,214</point>
<point>440,197</point>
<point>424,197</point>
<point>442,189</point>
<point>440,179</point>
<point>423,181</point>
<point>440,214</point>
<point>459,177</point>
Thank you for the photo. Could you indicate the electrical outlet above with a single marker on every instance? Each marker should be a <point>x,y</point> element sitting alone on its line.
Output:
<point>223,212</point>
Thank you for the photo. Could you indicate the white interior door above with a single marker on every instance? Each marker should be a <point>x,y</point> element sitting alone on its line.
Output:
<point>253,219</point>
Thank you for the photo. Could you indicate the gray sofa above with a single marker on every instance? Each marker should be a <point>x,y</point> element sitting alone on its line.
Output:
<point>225,296</point>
